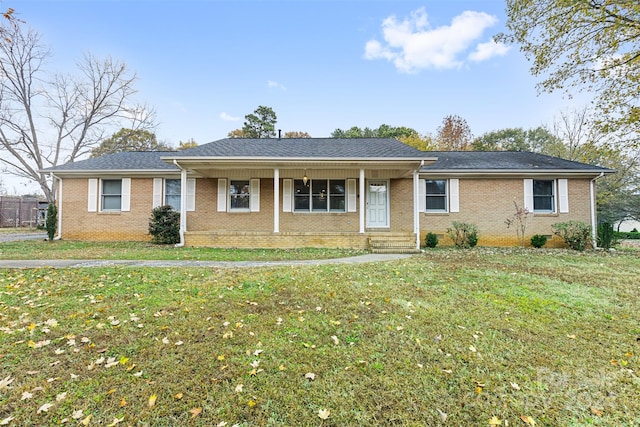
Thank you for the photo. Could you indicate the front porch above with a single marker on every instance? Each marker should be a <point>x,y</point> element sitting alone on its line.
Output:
<point>377,242</point>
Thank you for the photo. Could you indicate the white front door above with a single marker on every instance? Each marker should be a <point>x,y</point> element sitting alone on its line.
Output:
<point>377,204</point>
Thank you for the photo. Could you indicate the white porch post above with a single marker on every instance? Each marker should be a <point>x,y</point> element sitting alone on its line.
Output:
<point>276,200</point>
<point>416,210</point>
<point>183,205</point>
<point>362,197</point>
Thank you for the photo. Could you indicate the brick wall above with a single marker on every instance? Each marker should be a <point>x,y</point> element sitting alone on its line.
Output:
<point>484,202</point>
<point>487,203</point>
<point>79,224</point>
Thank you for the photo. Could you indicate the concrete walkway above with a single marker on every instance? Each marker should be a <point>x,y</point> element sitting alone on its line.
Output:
<point>71,263</point>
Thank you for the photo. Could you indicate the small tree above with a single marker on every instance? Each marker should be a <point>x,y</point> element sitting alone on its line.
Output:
<point>51,223</point>
<point>519,221</point>
<point>164,225</point>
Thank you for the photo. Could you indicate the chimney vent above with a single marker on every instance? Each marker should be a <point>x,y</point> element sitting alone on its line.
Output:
<point>279,133</point>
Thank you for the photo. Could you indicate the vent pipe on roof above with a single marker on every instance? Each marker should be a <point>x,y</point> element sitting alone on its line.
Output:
<point>279,134</point>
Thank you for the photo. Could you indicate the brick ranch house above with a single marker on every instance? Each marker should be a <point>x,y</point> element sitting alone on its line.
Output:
<point>320,192</point>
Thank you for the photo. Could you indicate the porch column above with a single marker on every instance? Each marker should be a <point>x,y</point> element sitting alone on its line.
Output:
<point>362,197</point>
<point>416,210</point>
<point>276,200</point>
<point>183,204</point>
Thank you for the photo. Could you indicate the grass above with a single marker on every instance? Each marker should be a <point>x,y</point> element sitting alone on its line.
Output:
<point>445,338</point>
<point>68,249</point>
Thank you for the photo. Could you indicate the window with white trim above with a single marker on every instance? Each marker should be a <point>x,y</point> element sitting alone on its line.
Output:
<point>436,195</point>
<point>239,195</point>
<point>544,196</point>
<point>111,195</point>
<point>172,190</point>
<point>319,195</point>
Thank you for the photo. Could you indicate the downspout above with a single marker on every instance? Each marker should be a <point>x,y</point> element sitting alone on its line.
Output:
<point>592,200</point>
<point>59,200</point>
<point>416,204</point>
<point>183,203</point>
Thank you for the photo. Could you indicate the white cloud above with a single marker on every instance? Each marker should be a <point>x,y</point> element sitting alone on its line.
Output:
<point>228,117</point>
<point>271,83</point>
<point>488,50</point>
<point>412,44</point>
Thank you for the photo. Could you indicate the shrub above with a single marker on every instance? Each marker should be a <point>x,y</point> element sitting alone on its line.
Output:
<point>605,235</point>
<point>51,223</point>
<point>538,240</point>
<point>431,240</point>
<point>464,235</point>
<point>576,234</point>
<point>626,235</point>
<point>164,225</point>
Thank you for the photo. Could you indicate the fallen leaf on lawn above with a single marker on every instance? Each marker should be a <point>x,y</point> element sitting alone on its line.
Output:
<point>113,390</point>
<point>45,407</point>
<point>123,402</point>
<point>239,388</point>
<point>335,339</point>
<point>76,414</point>
<point>87,420</point>
<point>472,349</point>
<point>221,357</point>
<point>6,421</point>
<point>137,374</point>
<point>60,397</point>
<point>310,376</point>
<point>323,414</point>
<point>257,352</point>
<point>595,411</point>
<point>528,420</point>
<point>443,415</point>
<point>152,400</point>
<point>178,396</point>
<point>116,421</point>
<point>165,340</point>
<point>573,337</point>
<point>179,343</point>
<point>515,386</point>
<point>222,424</point>
<point>26,395</point>
<point>195,412</point>
<point>495,421</point>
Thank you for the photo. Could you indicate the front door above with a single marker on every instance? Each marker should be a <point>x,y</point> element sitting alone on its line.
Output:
<point>377,204</point>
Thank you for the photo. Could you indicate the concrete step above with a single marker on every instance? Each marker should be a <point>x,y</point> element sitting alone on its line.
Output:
<point>398,244</point>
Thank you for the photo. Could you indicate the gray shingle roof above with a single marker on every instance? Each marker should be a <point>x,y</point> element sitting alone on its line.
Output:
<point>360,148</point>
<point>364,148</point>
<point>129,160</point>
<point>504,161</point>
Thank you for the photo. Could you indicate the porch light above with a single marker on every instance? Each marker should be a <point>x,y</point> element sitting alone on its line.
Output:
<point>305,178</point>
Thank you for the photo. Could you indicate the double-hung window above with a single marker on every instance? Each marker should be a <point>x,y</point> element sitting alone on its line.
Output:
<point>172,193</point>
<point>111,195</point>
<point>436,193</point>
<point>239,193</point>
<point>544,196</point>
<point>319,195</point>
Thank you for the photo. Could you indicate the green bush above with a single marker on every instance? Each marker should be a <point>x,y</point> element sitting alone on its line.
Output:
<point>538,240</point>
<point>164,225</point>
<point>464,235</point>
<point>51,223</point>
<point>431,240</point>
<point>605,235</point>
<point>626,235</point>
<point>576,234</point>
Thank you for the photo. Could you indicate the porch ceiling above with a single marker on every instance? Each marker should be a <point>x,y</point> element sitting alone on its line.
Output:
<point>207,168</point>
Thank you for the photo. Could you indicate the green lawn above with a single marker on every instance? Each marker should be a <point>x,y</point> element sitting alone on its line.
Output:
<point>460,338</point>
<point>69,249</point>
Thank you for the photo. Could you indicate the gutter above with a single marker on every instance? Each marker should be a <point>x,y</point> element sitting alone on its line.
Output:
<point>592,200</point>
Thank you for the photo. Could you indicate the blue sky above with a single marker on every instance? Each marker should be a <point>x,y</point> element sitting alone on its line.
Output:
<point>321,65</point>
